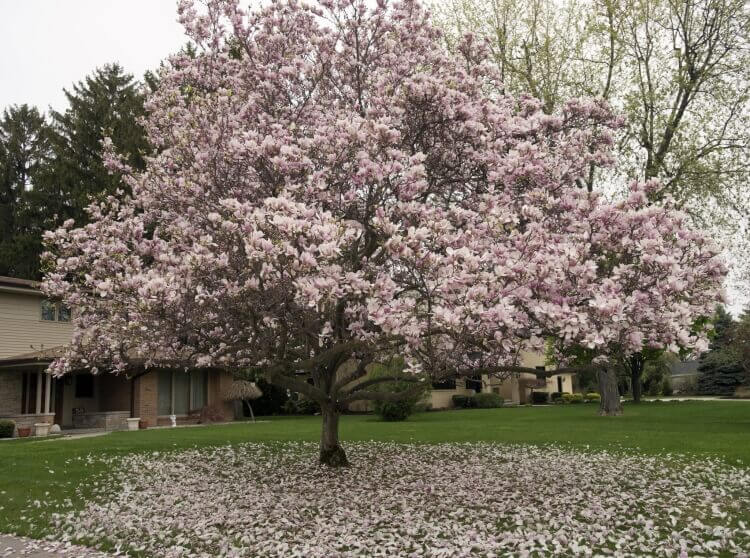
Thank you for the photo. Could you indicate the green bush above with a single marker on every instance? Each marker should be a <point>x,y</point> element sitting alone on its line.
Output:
<point>566,397</point>
<point>290,407</point>
<point>397,410</point>
<point>592,397</point>
<point>464,401</point>
<point>576,398</point>
<point>555,396</point>
<point>539,397</point>
<point>666,387</point>
<point>487,400</point>
<point>6,428</point>
<point>459,401</point>
<point>308,407</point>
<point>301,406</point>
<point>273,401</point>
<point>393,411</point>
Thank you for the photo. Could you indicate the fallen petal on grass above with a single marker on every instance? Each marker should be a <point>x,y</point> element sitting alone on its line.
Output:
<point>414,500</point>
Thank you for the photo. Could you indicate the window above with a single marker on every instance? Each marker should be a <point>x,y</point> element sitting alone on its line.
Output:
<point>181,392</point>
<point>55,311</point>
<point>84,386</point>
<point>448,383</point>
<point>48,311</point>
<point>63,313</point>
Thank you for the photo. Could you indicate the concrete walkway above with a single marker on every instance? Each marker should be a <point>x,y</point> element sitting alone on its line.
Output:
<point>21,546</point>
<point>691,398</point>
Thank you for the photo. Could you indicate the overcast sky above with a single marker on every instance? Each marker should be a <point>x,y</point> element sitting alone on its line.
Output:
<point>46,45</point>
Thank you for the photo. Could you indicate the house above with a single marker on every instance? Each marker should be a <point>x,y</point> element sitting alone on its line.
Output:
<point>684,375</point>
<point>33,332</point>
<point>514,390</point>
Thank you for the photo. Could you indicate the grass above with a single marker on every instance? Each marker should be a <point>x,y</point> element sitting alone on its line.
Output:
<point>50,471</point>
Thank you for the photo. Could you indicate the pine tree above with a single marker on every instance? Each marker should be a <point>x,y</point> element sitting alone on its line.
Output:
<point>108,103</point>
<point>720,371</point>
<point>25,155</point>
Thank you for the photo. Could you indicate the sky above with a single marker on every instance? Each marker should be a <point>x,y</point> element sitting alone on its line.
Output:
<point>48,45</point>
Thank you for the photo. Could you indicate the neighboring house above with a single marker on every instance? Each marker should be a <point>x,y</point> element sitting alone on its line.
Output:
<point>683,375</point>
<point>34,330</point>
<point>514,390</point>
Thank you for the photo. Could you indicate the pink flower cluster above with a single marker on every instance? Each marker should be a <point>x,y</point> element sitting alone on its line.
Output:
<point>329,181</point>
<point>415,500</point>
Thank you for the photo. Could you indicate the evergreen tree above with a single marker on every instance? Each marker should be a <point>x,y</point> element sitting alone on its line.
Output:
<point>720,371</point>
<point>108,103</point>
<point>25,155</point>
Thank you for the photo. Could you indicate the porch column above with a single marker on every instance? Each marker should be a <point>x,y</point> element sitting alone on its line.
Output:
<point>38,393</point>
<point>47,393</point>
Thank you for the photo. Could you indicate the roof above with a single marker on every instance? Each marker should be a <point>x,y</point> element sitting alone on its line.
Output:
<point>42,356</point>
<point>20,286</point>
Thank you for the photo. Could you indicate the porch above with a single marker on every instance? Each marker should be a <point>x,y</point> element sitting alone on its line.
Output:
<point>29,395</point>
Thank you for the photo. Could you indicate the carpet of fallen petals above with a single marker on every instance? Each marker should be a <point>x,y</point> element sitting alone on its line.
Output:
<point>415,500</point>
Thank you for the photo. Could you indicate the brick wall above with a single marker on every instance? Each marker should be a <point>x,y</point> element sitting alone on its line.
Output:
<point>218,383</point>
<point>10,393</point>
<point>145,399</point>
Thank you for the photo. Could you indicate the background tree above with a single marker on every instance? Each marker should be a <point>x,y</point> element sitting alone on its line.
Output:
<point>51,171</point>
<point>678,69</point>
<point>740,345</point>
<point>108,103</point>
<point>720,370</point>
<point>25,153</point>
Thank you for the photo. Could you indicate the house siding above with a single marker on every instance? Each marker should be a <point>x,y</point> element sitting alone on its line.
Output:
<point>21,328</point>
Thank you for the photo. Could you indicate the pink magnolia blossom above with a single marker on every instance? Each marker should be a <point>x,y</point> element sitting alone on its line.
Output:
<point>328,184</point>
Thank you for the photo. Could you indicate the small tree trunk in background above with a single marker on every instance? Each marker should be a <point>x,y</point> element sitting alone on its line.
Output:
<point>636,373</point>
<point>610,405</point>
<point>250,408</point>
<point>635,383</point>
<point>331,453</point>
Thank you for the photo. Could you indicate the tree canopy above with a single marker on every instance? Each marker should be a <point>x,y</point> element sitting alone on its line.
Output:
<point>330,185</point>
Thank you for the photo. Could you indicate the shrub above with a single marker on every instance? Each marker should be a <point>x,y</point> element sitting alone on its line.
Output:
<point>555,396</point>
<point>566,397</point>
<point>397,410</point>
<point>272,402</point>
<point>539,397</point>
<point>464,401</point>
<point>487,400</point>
<point>459,401</point>
<point>308,407</point>
<point>576,398</point>
<point>592,397</point>
<point>6,428</point>
<point>393,411</point>
<point>290,407</point>
<point>666,387</point>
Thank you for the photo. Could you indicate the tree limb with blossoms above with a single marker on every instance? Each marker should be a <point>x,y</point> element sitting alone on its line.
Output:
<point>329,186</point>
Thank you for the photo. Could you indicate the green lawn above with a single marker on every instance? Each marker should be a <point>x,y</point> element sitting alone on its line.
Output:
<point>50,471</point>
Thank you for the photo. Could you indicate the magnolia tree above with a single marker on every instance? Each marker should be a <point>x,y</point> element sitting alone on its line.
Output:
<point>329,186</point>
<point>642,280</point>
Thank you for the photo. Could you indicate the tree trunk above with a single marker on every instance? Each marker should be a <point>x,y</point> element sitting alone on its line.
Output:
<point>635,383</point>
<point>331,453</point>
<point>610,405</point>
